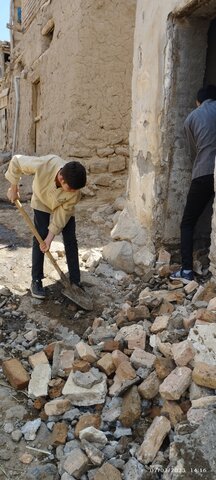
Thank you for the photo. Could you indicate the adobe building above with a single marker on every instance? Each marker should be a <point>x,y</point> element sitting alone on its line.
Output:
<point>94,77</point>
<point>4,90</point>
<point>174,49</point>
<point>72,66</point>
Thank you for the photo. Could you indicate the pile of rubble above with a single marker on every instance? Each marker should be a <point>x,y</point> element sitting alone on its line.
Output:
<point>134,398</point>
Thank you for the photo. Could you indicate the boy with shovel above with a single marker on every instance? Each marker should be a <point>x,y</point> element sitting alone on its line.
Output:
<point>56,190</point>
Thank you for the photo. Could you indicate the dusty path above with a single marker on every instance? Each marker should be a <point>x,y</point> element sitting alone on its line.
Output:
<point>15,264</point>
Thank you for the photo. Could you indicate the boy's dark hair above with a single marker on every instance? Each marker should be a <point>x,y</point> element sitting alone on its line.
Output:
<point>205,93</point>
<point>74,174</point>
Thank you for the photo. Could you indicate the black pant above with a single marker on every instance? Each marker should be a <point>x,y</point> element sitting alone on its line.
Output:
<point>41,221</point>
<point>201,191</point>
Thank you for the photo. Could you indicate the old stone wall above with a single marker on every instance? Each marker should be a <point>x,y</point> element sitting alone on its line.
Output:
<point>75,84</point>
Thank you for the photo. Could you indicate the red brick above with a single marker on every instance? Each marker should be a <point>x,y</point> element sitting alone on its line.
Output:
<point>15,373</point>
<point>59,434</point>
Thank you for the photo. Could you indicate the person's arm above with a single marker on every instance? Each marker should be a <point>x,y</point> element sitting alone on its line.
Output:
<point>45,246</point>
<point>20,164</point>
<point>190,140</point>
<point>63,213</point>
<point>13,193</point>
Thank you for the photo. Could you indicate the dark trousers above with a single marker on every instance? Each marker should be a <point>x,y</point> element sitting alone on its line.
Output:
<point>41,221</point>
<point>200,192</point>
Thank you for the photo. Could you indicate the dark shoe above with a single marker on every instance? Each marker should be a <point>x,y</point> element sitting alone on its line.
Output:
<point>184,277</point>
<point>79,284</point>
<point>37,289</point>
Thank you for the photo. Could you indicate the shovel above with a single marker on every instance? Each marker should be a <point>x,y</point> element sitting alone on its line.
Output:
<point>72,291</point>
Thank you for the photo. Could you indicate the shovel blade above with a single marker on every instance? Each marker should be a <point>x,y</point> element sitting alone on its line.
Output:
<point>78,296</point>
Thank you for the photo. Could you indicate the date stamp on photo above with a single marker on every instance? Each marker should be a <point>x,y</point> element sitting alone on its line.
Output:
<point>180,470</point>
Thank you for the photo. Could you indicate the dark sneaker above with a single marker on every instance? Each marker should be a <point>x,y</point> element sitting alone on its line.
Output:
<point>184,277</point>
<point>37,289</point>
<point>80,285</point>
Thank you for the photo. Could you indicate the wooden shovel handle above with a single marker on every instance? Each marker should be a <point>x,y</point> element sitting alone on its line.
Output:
<point>40,240</point>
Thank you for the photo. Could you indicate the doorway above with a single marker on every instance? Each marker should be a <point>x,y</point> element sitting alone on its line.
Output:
<point>192,44</point>
<point>36,108</point>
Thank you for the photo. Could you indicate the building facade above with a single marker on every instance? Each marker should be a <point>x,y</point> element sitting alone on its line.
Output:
<point>110,83</point>
<point>4,93</point>
<point>72,70</point>
<point>173,57</point>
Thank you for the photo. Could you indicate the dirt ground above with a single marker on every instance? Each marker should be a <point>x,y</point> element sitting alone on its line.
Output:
<point>15,264</point>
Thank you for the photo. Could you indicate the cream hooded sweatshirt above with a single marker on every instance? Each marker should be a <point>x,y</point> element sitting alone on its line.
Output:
<point>46,196</point>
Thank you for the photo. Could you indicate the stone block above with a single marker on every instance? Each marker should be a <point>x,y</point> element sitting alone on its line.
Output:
<point>206,315</point>
<point>85,421</point>
<point>120,255</point>
<point>111,345</point>
<point>125,377</point>
<point>173,411</point>
<point>93,435</point>
<point>107,471</point>
<point>125,371</point>
<point>164,366</point>
<point>149,388</point>
<point>106,364</point>
<point>164,347</point>
<point>119,357</point>
<point>212,304</point>
<point>102,333</point>
<point>176,383</point>
<point>204,402</point>
<point>104,152</point>
<point>37,359</point>
<point>203,338</point>
<point>160,323</point>
<point>49,350</point>
<point>66,359</point>
<point>163,257</point>
<point>40,377</point>
<point>103,179</point>
<point>86,352</point>
<point>15,373</point>
<point>57,406</point>
<point>97,165</point>
<point>183,352</point>
<point>55,386</point>
<point>207,292</point>
<point>122,150</point>
<point>204,375</point>
<point>76,463</point>
<point>165,308</point>
<point>81,396</point>
<point>140,358</point>
<point>188,322</point>
<point>116,164</point>
<point>163,270</point>
<point>141,312</point>
<point>155,298</point>
<point>191,287</point>
<point>131,407</point>
<point>134,335</point>
<point>59,434</point>
<point>153,440</point>
<point>196,391</point>
<point>81,366</point>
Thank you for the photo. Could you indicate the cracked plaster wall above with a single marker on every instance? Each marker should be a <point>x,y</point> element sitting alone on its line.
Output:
<point>169,67</point>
